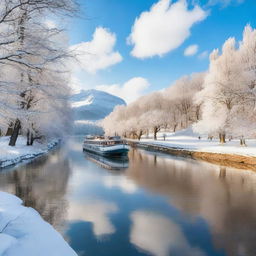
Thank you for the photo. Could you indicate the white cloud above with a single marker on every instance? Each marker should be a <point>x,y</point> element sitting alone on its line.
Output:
<point>164,28</point>
<point>75,84</point>
<point>191,50</point>
<point>224,3</point>
<point>203,55</point>
<point>99,53</point>
<point>129,91</point>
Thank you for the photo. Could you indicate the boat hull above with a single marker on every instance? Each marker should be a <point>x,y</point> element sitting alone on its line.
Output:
<point>118,150</point>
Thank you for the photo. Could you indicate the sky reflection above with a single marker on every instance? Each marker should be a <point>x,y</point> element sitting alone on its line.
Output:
<point>160,205</point>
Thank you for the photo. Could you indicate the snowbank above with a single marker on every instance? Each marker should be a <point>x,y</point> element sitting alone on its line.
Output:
<point>24,232</point>
<point>188,140</point>
<point>13,155</point>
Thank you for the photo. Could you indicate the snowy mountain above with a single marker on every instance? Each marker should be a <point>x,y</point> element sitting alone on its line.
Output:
<point>91,106</point>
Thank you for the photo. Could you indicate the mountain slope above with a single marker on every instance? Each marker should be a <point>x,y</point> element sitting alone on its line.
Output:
<point>91,106</point>
<point>94,105</point>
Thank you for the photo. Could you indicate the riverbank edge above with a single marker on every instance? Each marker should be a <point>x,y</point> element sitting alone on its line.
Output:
<point>29,157</point>
<point>228,160</point>
<point>23,231</point>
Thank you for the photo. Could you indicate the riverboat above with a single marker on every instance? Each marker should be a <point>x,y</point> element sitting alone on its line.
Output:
<point>110,146</point>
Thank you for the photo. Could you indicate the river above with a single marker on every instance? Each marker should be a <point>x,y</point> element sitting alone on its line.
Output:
<point>149,204</point>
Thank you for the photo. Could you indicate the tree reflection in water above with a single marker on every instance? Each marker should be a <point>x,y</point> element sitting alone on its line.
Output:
<point>224,197</point>
<point>126,207</point>
<point>41,185</point>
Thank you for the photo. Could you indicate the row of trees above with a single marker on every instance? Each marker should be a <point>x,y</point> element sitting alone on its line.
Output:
<point>171,109</point>
<point>220,102</point>
<point>33,76</point>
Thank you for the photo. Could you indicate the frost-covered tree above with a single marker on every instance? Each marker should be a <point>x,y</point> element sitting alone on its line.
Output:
<point>181,95</point>
<point>29,55</point>
<point>220,102</point>
<point>171,109</point>
<point>218,95</point>
<point>245,121</point>
<point>228,95</point>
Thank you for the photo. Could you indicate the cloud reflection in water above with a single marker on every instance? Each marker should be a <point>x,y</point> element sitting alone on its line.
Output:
<point>159,235</point>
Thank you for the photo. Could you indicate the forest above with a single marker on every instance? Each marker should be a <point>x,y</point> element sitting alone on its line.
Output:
<point>217,103</point>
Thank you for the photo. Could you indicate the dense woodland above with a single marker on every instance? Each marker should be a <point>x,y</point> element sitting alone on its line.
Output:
<point>218,103</point>
<point>33,76</point>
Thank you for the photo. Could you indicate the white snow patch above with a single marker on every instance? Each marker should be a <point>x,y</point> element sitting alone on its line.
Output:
<point>84,122</point>
<point>188,140</point>
<point>24,232</point>
<point>81,103</point>
<point>13,155</point>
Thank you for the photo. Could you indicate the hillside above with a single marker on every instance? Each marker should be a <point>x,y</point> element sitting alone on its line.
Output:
<point>91,106</point>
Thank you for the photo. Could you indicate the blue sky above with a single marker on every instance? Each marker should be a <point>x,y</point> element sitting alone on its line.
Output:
<point>219,20</point>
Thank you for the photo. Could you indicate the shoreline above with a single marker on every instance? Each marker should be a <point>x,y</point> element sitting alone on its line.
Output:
<point>24,232</point>
<point>224,159</point>
<point>11,162</point>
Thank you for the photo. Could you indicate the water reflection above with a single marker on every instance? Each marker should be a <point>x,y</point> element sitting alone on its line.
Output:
<point>158,205</point>
<point>160,236</point>
<point>97,212</point>
<point>110,163</point>
<point>224,197</point>
<point>41,184</point>
<point>121,182</point>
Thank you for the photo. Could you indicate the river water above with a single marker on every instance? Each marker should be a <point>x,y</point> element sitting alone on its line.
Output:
<point>149,204</point>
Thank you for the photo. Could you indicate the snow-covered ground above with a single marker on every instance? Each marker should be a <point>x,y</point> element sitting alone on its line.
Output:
<point>13,155</point>
<point>24,232</point>
<point>188,140</point>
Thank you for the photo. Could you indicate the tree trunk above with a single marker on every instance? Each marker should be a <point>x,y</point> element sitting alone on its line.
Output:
<point>17,125</point>
<point>30,138</point>
<point>210,137</point>
<point>174,127</point>
<point>155,133</point>
<point>242,142</point>
<point>222,137</point>
<point>140,134</point>
<point>15,133</point>
<point>198,108</point>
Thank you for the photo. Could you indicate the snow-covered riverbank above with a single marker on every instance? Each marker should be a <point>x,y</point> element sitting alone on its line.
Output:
<point>186,143</point>
<point>13,155</point>
<point>188,140</point>
<point>24,232</point>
